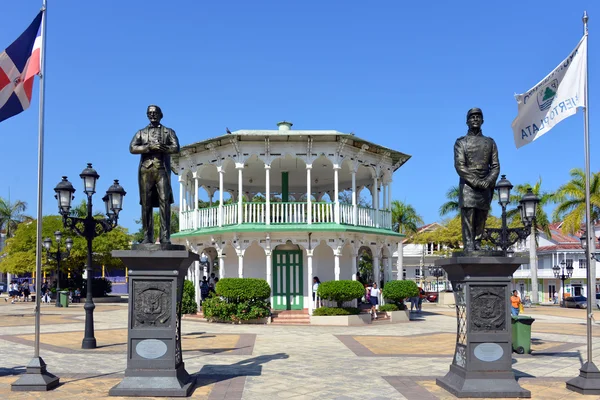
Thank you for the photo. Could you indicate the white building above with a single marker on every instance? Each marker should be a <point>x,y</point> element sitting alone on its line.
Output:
<point>552,251</point>
<point>279,216</point>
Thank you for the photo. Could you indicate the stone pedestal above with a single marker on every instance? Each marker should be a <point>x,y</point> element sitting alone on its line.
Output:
<point>482,364</point>
<point>154,360</point>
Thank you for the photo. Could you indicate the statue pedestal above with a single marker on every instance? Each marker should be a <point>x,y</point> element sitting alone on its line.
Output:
<point>482,364</point>
<point>154,360</point>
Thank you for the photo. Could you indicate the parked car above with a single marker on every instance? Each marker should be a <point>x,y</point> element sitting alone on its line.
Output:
<point>576,302</point>
<point>2,287</point>
<point>598,300</point>
<point>432,297</point>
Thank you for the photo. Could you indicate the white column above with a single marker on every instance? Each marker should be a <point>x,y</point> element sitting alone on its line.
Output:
<point>309,258</point>
<point>240,264</point>
<point>354,205</point>
<point>376,200</point>
<point>240,168</point>
<point>533,266</point>
<point>220,212</point>
<point>197,281</point>
<point>181,225</point>
<point>388,269</point>
<point>389,192</point>
<point>376,270</point>
<point>336,193</point>
<point>196,212</point>
<point>308,195</point>
<point>269,267</point>
<point>385,205</point>
<point>354,266</point>
<point>222,266</point>
<point>400,261</point>
<point>268,196</point>
<point>337,254</point>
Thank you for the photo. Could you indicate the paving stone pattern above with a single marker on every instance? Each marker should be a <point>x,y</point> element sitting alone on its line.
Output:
<point>381,361</point>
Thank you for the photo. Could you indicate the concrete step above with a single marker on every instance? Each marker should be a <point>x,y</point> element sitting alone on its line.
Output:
<point>290,321</point>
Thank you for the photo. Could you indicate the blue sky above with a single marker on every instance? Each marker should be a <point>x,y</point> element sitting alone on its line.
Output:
<point>402,74</point>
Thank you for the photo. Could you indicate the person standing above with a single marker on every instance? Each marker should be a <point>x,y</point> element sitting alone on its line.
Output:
<point>155,143</point>
<point>374,299</point>
<point>515,303</point>
<point>477,165</point>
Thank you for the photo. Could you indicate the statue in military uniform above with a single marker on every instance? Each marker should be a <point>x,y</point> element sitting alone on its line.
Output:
<point>477,165</point>
<point>155,143</point>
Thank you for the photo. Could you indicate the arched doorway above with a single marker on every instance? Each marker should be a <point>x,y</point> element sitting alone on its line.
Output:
<point>288,277</point>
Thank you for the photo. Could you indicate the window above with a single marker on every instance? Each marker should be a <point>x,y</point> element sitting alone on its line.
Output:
<point>582,263</point>
<point>404,273</point>
<point>417,272</point>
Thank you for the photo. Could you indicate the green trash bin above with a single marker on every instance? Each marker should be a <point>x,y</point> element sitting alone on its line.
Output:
<point>521,334</point>
<point>64,298</point>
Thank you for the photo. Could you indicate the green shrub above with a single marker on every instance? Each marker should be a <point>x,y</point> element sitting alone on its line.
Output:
<point>340,291</point>
<point>397,291</point>
<point>218,309</point>
<point>243,289</point>
<point>388,307</point>
<point>188,301</point>
<point>325,311</point>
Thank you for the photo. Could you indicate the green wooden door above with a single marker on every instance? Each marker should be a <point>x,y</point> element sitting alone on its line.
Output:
<point>287,280</point>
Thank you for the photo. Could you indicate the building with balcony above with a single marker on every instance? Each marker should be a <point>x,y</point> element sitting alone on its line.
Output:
<point>552,251</point>
<point>285,205</point>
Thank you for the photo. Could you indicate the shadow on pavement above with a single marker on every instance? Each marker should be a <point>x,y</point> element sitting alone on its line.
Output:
<point>248,367</point>
<point>12,371</point>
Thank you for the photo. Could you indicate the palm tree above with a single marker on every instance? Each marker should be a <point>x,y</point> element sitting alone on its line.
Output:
<point>542,222</point>
<point>11,215</point>
<point>451,206</point>
<point>405,218</point>
<point>571,200</point>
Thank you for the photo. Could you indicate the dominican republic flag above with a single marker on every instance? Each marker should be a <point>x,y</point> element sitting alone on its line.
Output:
<point>19,64</point>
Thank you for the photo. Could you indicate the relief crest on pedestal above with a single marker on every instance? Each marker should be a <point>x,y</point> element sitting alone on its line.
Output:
<point>152,303</point>
<point>488,308</point>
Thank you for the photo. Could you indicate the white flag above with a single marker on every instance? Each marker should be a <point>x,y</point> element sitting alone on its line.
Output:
<point>555,98</point>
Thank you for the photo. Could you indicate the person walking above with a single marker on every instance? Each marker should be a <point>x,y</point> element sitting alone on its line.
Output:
<point>204,290</point>
<point>374,299</point>
<point>316,283</point>
<point>515,302</point>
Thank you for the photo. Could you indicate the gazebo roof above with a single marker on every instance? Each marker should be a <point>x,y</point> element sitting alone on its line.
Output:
<point>289,135</point>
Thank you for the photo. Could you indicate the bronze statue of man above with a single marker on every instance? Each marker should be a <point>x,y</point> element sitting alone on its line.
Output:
<point>477,165</point>
<point>155,143</point>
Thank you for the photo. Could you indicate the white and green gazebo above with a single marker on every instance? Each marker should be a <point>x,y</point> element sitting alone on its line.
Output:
<point>284,205</point>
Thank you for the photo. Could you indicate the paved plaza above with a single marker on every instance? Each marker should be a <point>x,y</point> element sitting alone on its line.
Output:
<point>380,361</point>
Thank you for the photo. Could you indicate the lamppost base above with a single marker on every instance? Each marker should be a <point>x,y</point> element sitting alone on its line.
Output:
<point>588,381</point>
<point>88,343</point>
<point>36,378</point>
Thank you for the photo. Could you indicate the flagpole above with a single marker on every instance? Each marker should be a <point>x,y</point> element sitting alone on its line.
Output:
<point>36,377</point>
<point>588,381</point>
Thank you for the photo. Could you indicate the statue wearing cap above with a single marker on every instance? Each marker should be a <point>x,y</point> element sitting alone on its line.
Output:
<point>477,165</point>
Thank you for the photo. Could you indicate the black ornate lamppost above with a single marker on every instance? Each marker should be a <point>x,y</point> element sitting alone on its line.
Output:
<point>89,227</point>
<point>563,272</point>
<point>58,256</point>
<point>437,272</point>
<point>505,237</point>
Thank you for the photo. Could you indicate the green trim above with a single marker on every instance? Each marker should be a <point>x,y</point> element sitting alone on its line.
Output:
<point>329,227</point>
<point>284,187</point>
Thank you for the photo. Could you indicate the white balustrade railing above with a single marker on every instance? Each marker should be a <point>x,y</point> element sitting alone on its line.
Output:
<point>230,214</point>
<point>208,217</point>
<point>322,213</point>
<point>288,213</point>
<point>346,214</point>
<point>187,221</point>
<point>366,217</point>
<point>254,213</point>
<point>385,219</point>
<point>283,213</point>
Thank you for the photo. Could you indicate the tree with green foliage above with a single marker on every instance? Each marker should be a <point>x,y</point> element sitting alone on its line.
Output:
<point>570,198</point>
<point>542,222</point>
<point>340,291</point>
<point>397,291</point>
<point>405,218</point>
<point>450,233</point>
<point>11,215</point>
<point>19,253</point>
<point>451,206</point>
<point>138,237</point>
